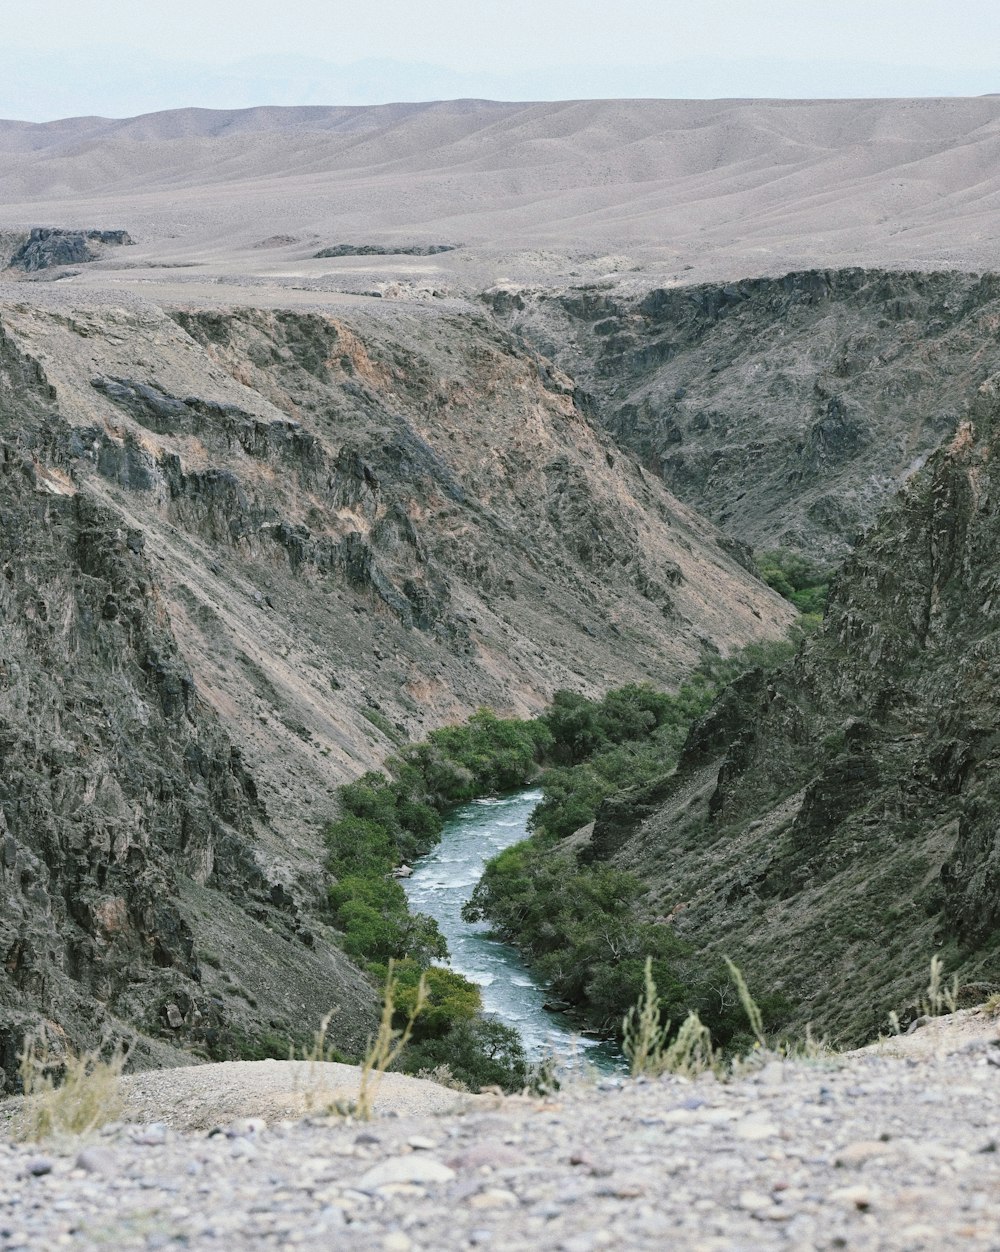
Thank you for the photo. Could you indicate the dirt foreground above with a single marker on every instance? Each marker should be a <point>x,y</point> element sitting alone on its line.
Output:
<point>872,1150</point>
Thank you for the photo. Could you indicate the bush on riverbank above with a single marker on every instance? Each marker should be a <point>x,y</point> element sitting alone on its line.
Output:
<point>584,931</point>
<point>584,927</point>
<point>391,819</point>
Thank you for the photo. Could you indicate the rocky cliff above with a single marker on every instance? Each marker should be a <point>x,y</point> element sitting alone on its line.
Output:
<point>786,409</point>
<point>833,825</point>
<point>245,554</point>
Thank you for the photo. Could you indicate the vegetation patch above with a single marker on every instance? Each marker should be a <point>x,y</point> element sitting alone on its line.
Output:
<point>65,1092</point>
<point>794,576</point>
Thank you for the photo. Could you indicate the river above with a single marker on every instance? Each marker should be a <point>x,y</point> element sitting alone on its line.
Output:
<point>443,881</point>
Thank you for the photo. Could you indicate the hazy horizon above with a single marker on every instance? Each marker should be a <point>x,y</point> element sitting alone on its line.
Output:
<point>229,55</point>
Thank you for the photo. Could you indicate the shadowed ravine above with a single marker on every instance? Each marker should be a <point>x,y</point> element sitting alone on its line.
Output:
<point>441,884</point>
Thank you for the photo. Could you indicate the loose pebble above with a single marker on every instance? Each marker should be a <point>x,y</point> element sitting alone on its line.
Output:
<point>405,1169</point>
<point>97,1160</point>
<point>853,1155</point>
<point>495,1198</point>
<point>152,1136</point>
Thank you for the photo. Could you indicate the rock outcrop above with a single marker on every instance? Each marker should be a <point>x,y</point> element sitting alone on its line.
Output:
<point>384,249</point>
<point>47,247</point>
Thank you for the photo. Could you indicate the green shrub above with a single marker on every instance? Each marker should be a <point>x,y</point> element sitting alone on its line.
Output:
<point>481,1052</point>
<point>577,924</point>
<point>451,999</point>
<point>795,577</point>
<point>631,737</point>
<point>489,754</point>
<point>359,846</point>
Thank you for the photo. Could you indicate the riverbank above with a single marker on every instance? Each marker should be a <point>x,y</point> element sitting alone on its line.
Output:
<point>865,1152</point>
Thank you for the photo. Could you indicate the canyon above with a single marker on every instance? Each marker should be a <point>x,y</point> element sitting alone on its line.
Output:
<point>269,514</point>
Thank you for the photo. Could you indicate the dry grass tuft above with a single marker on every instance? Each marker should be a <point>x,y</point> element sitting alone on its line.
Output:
<point>651,1051</point>
<point>939,998</point>
<point>647,1043</point>
<point>66,1093</point>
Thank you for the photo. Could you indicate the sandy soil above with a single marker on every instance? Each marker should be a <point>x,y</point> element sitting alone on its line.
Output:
<point>194,1098</point>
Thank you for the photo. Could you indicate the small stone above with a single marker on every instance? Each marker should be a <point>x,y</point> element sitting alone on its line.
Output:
<point>397,1242</point>
<point>863,1150</point>
<point>246,1128</point>
<point>579,1243</point>
<point>97,1160</point>
<point>754,1128</point>
<point>752,1201</point>
<point>921,1234</point>
<point>621,1191</point>
<point>494,1198</point>
<point>420,1143</point>
<point>772,1075</point>
<point>152,1136</point>
<point>852,1197</point>
<point>37,1166</point>
<point>415,1168</point>
<point>242,1150</point>
<point>488,1155</point>
<point>175,1018</point>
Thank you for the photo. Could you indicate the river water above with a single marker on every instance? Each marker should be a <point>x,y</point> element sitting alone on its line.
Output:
<point>444,880</point>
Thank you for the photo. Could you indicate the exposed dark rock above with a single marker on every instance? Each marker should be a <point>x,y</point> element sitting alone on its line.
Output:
<point>786,409</point>
<point>378,249</point>
<point>48,246</point>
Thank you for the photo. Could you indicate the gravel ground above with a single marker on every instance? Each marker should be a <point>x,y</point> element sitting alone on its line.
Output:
<point>863,1152</point>
<point>203,1096</point>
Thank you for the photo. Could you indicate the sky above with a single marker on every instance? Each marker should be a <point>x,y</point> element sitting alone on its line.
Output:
<point>119,58</point>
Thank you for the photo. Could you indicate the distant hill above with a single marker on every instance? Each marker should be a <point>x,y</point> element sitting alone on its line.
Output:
<point>696,189</point>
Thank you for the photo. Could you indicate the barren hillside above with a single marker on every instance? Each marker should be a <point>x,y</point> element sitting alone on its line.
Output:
<point>684,190</point>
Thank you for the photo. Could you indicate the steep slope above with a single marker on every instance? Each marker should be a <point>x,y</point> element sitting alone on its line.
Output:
<point>834,824</point>
<point>785,409</point>
<point>246,554</point>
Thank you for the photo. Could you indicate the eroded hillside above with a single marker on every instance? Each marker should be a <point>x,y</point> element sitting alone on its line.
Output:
<point>833,825</point>
<point>247,553</point>
<point>786,409</point>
